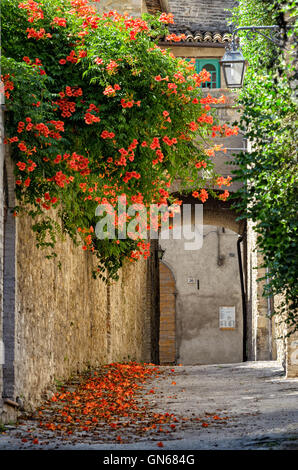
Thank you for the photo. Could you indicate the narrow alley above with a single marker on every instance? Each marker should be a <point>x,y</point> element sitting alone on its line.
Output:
<point>148,231</point>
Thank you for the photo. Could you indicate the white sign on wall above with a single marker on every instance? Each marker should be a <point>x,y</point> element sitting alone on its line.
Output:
<point>191,280</point>
<point>227,317</point>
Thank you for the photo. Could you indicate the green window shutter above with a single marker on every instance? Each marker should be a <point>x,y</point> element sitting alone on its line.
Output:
<point>212,66</point>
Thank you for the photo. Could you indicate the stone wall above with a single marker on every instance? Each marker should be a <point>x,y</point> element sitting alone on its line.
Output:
<point>203,15</point>
<point>292,356</point>
<point>127,306</point>
<point>266,336</point>
<point>133,7</point>
<point>264,330</point>
<point>66,321</point>
<point>1,239</point>
<point>57,322</point>
<point>280,332</point>
<point>251,275</point>
<point>286,346</point>
<point>9,277</point>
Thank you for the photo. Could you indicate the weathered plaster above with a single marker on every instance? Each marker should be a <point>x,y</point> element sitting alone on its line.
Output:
<point>199,339</point>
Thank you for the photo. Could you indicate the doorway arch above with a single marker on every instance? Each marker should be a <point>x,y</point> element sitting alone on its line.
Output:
<point>167,330</point>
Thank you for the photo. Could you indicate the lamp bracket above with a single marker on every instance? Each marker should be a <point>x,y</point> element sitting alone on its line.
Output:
<point>252,31</point>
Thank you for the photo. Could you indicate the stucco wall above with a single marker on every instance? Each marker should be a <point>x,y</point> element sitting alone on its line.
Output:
<point>199,340</point>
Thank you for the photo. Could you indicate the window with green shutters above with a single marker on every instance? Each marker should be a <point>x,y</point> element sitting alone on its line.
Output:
<point>212,66</point>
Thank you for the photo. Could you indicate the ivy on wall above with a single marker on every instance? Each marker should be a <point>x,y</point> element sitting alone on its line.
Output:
<point>269,119</point>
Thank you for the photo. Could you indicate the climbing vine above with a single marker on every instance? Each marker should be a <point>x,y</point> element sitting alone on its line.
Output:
<point>96,111</point>
<point>269,119</point>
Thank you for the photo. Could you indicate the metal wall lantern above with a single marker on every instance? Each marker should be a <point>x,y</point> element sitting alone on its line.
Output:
<point>233,63</point>
<point>160,253</point>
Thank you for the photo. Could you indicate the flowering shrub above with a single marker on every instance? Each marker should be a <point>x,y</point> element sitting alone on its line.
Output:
<point>96,110</point>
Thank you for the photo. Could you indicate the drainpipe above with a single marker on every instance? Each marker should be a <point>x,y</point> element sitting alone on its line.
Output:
<point>240,239</point>
<point>220,257</point>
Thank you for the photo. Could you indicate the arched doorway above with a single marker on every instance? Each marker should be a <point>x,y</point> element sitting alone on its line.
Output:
<point>201,295</point>
<point>167,330</point>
